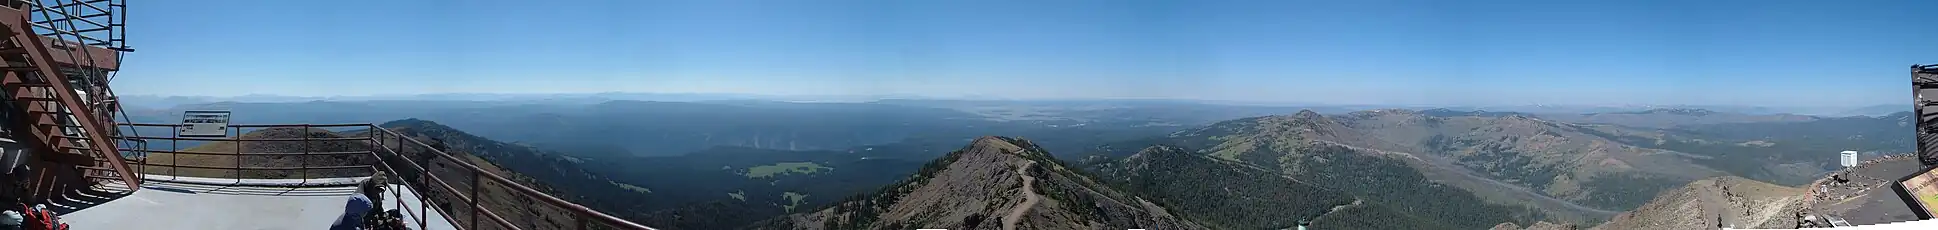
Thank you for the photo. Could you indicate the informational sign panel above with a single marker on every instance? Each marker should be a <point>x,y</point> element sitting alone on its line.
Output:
<point>204,124</point>
<point>1921,191</point>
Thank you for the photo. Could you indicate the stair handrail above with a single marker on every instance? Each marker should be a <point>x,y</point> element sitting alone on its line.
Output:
<point>43,62</point>
<point>93,84</point>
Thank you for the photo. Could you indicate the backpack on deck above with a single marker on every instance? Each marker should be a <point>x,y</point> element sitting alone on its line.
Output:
<point>41,219</point>
<point>385,220</point>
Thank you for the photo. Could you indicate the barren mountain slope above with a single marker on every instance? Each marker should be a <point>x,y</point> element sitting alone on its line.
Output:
<point>979,187</point>
<point>1721,201</point>
<point>1557,159</point>
<point>1571,173</point>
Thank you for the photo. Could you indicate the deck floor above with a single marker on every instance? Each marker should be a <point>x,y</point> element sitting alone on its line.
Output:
<point>185,204</point>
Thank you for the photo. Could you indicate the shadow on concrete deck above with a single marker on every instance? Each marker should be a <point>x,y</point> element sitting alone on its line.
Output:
<point>167,205</point>
<point>84,199</point>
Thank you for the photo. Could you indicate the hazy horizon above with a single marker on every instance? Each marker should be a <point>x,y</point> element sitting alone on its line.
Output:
<point>1402,52</point>
<point>851,98</point>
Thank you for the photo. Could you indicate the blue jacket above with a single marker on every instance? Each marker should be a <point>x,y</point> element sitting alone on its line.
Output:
<point>353,213</point>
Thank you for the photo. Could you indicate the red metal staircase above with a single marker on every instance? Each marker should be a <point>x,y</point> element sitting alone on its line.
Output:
<point>59,98</point>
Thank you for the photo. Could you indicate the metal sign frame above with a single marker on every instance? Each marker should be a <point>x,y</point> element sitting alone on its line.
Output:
<point>204,123</point>
<point>1920,192</point>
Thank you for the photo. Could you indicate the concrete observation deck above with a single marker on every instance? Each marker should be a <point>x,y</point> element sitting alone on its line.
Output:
<point>169,202</point>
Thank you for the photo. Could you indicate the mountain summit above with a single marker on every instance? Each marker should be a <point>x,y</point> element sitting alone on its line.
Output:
<point>993,183</point>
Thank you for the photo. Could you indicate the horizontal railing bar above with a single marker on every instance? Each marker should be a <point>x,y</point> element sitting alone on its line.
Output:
<point>425,172</point>
<point>254,139</point>
<point>528,191</point>
<point>300,125</point>
<point>182,166</point>
<point>84,15</point>
<point>422,197</point>
<point>82,18</point>
<point>253,168</point>
<point>404,144</point>
<point>58,5</point>
<point>499,219</point>
<point>254,125</point>
<point>453,190</point>
<point>58,31</point>
<point>253,153</point>
<point>493,215</point>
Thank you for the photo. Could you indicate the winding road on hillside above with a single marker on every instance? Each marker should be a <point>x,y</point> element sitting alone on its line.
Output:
<point>1447,165</point>
<point>1029,197</point>
<point>1334,209</point>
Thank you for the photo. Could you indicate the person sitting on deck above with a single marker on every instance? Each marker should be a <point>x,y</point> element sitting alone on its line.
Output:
<point>369,197</point>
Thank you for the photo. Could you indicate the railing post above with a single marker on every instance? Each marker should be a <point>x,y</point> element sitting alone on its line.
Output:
<point>144,159</point>
<point>175,145</point>
<point>475,208</point>
<point>422,206</point>
<point>237,138</point>
<point>582,221</point>
<point>303,162</point>
<point>423,178</point>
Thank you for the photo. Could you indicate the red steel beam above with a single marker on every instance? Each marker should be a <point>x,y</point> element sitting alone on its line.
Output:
<point>66,56</point>
<point>82,114</point>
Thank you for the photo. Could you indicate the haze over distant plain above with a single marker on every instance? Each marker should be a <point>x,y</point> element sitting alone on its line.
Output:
<point>1389,52</point>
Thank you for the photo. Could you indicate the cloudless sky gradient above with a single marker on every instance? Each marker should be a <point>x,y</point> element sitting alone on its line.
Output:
<point>1785,53</point>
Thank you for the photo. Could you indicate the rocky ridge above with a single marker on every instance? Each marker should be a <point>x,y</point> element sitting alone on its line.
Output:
<point>989,185</point>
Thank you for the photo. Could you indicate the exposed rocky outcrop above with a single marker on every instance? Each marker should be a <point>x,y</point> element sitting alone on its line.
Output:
<point>980,187</point>
<point>1571,173</point>
<point>1716,202</point>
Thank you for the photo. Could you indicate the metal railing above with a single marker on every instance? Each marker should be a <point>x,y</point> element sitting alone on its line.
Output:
<point>90,22</point>
<point>75,46</point>
<point>422,167</point>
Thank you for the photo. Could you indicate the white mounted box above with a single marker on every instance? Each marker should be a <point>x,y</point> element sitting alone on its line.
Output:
<point>1848,158</point>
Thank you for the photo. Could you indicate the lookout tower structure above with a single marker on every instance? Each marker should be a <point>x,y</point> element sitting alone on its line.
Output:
<point>1924,79</point>
<point>58,58</point>
<point>68,145</point>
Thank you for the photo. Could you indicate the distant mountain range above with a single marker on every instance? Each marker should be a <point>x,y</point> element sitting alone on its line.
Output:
<point>673,128</point>
<point>726,163</point>
<point>1668,118</point>
<point>651,128</point>
<point>165,101</point>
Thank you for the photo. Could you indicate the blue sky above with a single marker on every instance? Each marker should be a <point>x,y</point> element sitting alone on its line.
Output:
<point>1418,52</point>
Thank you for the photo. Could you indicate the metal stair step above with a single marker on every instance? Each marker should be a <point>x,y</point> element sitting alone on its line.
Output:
<point>35,99</point>
<point>58,125</point>
<point>32,84</point>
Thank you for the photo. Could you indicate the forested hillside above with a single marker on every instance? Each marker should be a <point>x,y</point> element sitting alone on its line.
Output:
<point>1232,195</point>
